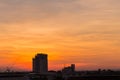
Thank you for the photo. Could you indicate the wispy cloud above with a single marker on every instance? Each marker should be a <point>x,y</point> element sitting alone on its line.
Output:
<point>83,27</point>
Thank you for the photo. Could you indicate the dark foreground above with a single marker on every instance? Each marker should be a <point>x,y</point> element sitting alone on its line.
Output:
<point>70,78</point>
<point>27,76</point>
<point>95,78</point>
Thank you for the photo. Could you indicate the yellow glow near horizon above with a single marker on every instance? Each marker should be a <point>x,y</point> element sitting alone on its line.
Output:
<point>84,32</point>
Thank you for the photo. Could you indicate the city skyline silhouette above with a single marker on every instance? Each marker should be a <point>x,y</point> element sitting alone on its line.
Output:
<point>59,39</point>
<point>40,72</point>
<point>40,64</point>
<point>81,32</point>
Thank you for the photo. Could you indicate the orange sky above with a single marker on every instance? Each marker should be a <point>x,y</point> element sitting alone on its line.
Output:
<point>84,32</point>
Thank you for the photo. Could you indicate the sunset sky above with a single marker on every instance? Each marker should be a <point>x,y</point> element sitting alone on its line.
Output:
<point>84,32</point>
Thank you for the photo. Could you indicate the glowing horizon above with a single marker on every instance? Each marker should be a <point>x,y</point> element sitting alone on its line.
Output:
<point>84,32</point>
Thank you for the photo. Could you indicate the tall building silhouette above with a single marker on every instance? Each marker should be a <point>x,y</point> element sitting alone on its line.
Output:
<point>40,63</point>
<point>73,67</point>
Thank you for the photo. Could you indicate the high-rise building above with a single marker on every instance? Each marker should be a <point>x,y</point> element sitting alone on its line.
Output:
<point>73,67</point>
<point>40,63</point>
